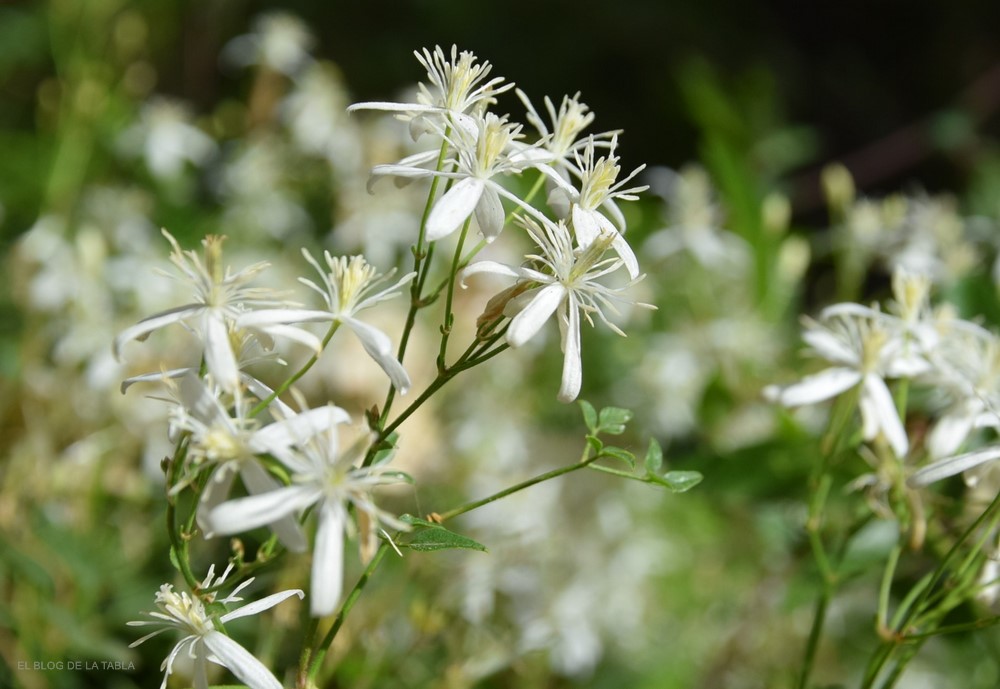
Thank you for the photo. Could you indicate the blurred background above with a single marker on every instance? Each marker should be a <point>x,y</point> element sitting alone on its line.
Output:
<point>119,118</point>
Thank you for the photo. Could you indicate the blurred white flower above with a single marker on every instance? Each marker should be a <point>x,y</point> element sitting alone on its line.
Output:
<point>202,641</point>
<point>279,41</point>
<point>567,285</point>
<point>166,139</point>
<point>324,477</point>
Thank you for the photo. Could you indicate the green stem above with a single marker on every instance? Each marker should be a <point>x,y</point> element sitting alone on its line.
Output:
<point>177,540</point>
<point>281,389</point>
<point>449,317</point>
<point>345,609</point>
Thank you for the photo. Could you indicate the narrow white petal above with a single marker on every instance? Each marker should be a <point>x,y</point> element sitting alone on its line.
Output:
<point>949,433</point>
<point>501,269</point>
<point>626,254</point>
<point>614,214</point>
<point>490,214</point>
<point>379,347</point>
<point>297,429</point>
<point>143,328</point>
<point>953,465</point>
<point>453,208</point>
<point>533,316</point>
<point>287,529</point>
<point>829,346</point>
<point>328,561</point>
<point>572,373</point>
<point>157,377</point>
<point>261,605</point>
<point>585,225</point>
<point>267,317</point>
<point>820,386</point>
<point>392,107</point>
<point>240,662</point>
<point>215,493</point>
<point>219,357</point>
<point>887,417</point>
<point>251,512</point>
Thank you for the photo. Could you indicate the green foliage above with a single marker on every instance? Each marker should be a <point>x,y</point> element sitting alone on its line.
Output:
<point>428,536</point>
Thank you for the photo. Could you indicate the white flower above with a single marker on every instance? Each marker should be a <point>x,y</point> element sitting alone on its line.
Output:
<point>566,285</point>
<point>349,286</point>
<point>456,87</point>
<point>202,641</point>
<point>559,146</point>
<point>233,444</point>
<point>864,353</point>
<point>480,157</point>
<point>167,139</point>
<point>220,296</point>
<point>590,207</point>
<point>329,479</point>
<point>280,41</point>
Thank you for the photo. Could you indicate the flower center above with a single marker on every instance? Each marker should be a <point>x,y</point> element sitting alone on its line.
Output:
<point>350,277</point>
<point>596,185</point>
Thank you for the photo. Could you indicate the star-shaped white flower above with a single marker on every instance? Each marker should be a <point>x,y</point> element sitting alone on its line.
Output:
<point>202,641</point>
<point>220,296</point>
<point>864,353</point>
<point>330,480</point>
<point>566,284</point>
<point>457,89</point>
<point>349,285</point>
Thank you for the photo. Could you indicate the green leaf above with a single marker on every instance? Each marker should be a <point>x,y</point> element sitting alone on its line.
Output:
<point>677,481</point>
<point>654,457</point>
<point>613,419</point>
<point>589,415</point>
<point>620,454</point>
<point>433,536</point>
<point>173,559</point>
<point>386,449</point>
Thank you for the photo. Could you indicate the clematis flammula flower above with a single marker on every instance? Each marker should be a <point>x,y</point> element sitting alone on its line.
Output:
<point>589,207</point>
<point>350,285</point>
<point>565,284</point>
<point>330,480</point>
<point>864,353</point>
<point>558,147</point>
<point>234,444</point>
<point>456,91</point>
<point>219,297</point>
<point>480,158</point>
<point>202,640</point>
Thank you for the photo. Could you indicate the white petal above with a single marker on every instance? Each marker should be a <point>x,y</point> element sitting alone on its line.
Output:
<point>452,209</point>
<point>328,561</point>
<point>251,512</point>
<point>297,429</point>
<point>379,347</point>
<point>953,465</point>
<point>820,386</point>
<point>531,319</point>
<point>214,494</point>
<point>157,377</point>
<point>490,214</point>
<point>829,346</point>
<point>267,317</point>
<point>888,420</point>
<point>572,373</point>
<point>585,225</point>
<point>240,661</point>
<point>219,357</point>
<point>290,332</point>
<point>261,605</point>
<point>287,529</point>
<point>143,328</point>
<point>392,107</point>
<point>626,254</point>
<point>504,270</point>
<point>615,213</point>
<point>949,433</point>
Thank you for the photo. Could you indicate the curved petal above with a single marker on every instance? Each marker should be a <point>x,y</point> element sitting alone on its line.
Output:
<point>258,482</point>
<point>297,429</point>
<point>490,214</point>
<point>251,512</point>
<point>261,605</point>
<point>454,207</point>
<point>625,253</point>
<point>240,661</point>
<point>586,226</point>
<point>953,465</point>
<point>379,347</point>
<point>141,330</point>
<point>887,417</point>
<point>533,316</point>
<point>504,270</point>
<point>949,433</point>
<point>818,387</point>
<point>328,561</point>
<point>572,372</point>
<point>268,317</point>
<point>219,358</point>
